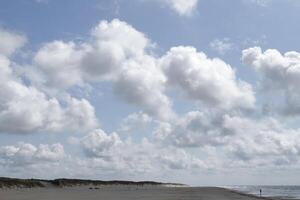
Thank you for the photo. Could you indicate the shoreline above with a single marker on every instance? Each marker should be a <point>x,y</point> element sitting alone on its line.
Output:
<point>262,197</point>
<point>253,195</point>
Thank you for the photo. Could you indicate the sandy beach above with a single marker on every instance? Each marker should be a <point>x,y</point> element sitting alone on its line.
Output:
<point>123,193</point>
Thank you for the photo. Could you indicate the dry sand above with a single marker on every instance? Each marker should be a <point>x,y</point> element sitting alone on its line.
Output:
<point>122,193</point>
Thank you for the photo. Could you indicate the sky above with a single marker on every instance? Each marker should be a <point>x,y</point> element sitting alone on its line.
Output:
<point>202,92</point>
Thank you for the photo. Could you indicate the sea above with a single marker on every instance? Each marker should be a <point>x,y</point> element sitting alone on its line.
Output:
<point>281,192</point>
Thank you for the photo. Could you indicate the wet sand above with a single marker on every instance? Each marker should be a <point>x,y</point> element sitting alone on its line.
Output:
<point>123,193</point>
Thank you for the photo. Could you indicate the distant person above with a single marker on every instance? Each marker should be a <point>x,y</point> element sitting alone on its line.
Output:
<point>260,191</point>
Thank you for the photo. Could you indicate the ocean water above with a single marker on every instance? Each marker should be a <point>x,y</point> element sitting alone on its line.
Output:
<point>281,192</point>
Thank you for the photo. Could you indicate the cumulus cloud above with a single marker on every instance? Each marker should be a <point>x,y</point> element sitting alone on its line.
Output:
<point>109,56</point>
<point>118,54</point>
<point>100,144</point>
<point>143,83</point>
<point>236,140</point>
<point>180,159</point>
<point>59,63</point>
<point>65,64</point>
<point>10,42</point>
<point>115,42</point>
<point>194,129</point>
<point>137,76</point>
<point>28,160</point>
<point>209,81</point>
<point>265,143</point>
<point>182,7</point>
<point>110,152</point>
<point>25,109</point>
<point>135,122</point>
<point>275,68</point>
<point>278,73</point>
<point>232,141</point>
<point>79,115</point>
<point>24,154</point>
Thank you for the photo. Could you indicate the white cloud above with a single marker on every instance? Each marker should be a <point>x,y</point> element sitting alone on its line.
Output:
<point>137,76</point>
<point>235,141</point>
<point>194,129</point>
<point>79,115</point>
<point>180,159</point>
<point>65,64</point>
<point>272,65</point>
<point>108,57</point>
<point>278,73</point>
<point>10,42</point>
<point>4,67</point>
<point>108,151</point>
<point>221,46</point>
<point>182,7</point>
<point>113,43</point>
<point>135,122</point>
<point>25,109</point>
<point>264,143</point>
<point>119,54</point>
<point>138,79</point>
<point>231,141</point>
<point>24,154</point>
<point>60,64</point>
<point>209,81</point>
<point>143,83</point>
<point>99,144</point>
<point>27,160</point>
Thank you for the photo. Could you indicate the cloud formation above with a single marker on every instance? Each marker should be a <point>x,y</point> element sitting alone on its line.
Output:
<point>10,42</point>
<point>265,143</point>
<point>219,128</point>
<point>108,57</point>
<point>139,77</point>
<point>25,109</point>
<point>24,154</point>
<point>110,151</point>
<point>236,141</point>
<point>182,7</point>
<point>209,81</point>
<point>233,141</point>
<point>279,74</point>
<point>194,129</point>
<point>135,122</point>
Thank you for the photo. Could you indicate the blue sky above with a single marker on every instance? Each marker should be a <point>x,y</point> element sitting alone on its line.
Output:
<point>199,91</point>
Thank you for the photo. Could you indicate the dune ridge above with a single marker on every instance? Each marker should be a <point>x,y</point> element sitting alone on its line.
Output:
<point>64,182</point>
